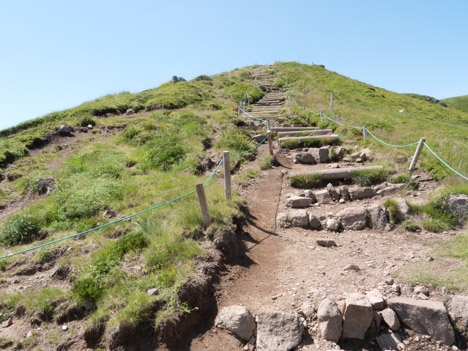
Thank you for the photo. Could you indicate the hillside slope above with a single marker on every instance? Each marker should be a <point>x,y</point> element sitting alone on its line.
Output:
<point>459,102</point>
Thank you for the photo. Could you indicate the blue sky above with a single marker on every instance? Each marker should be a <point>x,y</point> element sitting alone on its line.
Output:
<point>57,54</point>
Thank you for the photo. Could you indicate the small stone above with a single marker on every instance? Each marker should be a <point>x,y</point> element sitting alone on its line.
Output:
<point>333,225</point>
<point>376,299</point>
<point>238,320</point>
<point>390,317</point>
<point>64,327</point>
<point>352,267</point>
<point>326,242</point>
<point>29,334</point>
<point>421,290</point>
<point>396,288</point>
<point>153,292</point>
<point>314,222</point>
<point>7,323</point>
<point>389,281</point>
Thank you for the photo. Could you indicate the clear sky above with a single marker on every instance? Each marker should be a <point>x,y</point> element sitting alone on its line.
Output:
<point>58,54</point>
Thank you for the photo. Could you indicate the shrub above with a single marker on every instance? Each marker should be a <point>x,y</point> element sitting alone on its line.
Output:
<point>368,177</point>
<point>410,225</point>
<point>163,153</point>
<point>306,181</point>
<point>234,140</point>
<point>86,120</point>
<point>436,225</point>
<point>19,229</point>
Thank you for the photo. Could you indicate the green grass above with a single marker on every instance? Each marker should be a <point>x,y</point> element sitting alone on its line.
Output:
<point>459,103</point>
<point>294,144</point>
<point>306,181</point>
<point>247,176</point>
<point>368,177</point>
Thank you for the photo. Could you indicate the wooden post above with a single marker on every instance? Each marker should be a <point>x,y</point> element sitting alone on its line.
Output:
<point>227,174</point>
<point>270,143</point>
<point>203,205</point>
<point>364,132</point>
<point>331,104</point>
<point>416,154</point>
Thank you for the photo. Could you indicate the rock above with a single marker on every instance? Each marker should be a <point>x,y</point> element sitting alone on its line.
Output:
<point>333,225</point>
<point>376,299</point>
<point>326,242</point>
<point>377,318</point>
<point>361,193</point>
<point>238,320</point>
<point>353,218</point>
<point>390,317</point>
<point>175,79</point>
<point>396,288</point>
<point>401,159</point>
<point>64,327</point>
<point>345,193</point>
<point>298,218</point>
<point>323,197</point>
<point>359,160</point>
<point>363,156</point>
<point>278,331</point>
<point>348,159</point>
<point>420,289</point>
<point>283,220</point>
<point>459,312</point>
<point>457,205</point>
<point>357,316</point>
<point>378,218</point>
<point>352,267</point>
<point>203,77</point>
<point>389,281</point>
<point>391,189</point>
<point>403,209</point>
<point>182,79</point>
<point>258,137</point>
<point>7,323</point>
<point>298,201</point>
<point>153,291</point>
<point>314,222</point>
<point>29,334</point>
<point>65,130</point>
<point>322,155</point>
<point>110,212</point>
<point>310,194</point>
<point>330,321</point>
<point>45,186</point>
<point>90,126</point>
<point>332,192</point>
<point>390,342</point>
<point>305,158</point>
<point>425,317</point>
<point>339,152</point>
<point>129,111</point>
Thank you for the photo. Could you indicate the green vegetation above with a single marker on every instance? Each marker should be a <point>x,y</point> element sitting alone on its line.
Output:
<point>266,162</point>
<point>19,228</point>
<point>410,225</point>
<point>459,103</point>
<point>247,176</point>
<point>368,177</point>
<point>392,207</point>
<point>294,144</point>
<point>306,181</point>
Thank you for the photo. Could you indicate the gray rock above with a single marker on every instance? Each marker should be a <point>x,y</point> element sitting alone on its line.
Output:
<point>347,159</point>
<point>322,155</point>
<point>238,320</point>
<point>425,317</point>
<point>326,242</point>
<point>390,342</point>
<point>353,218</point>
<point>305,158</point>
<point>330,321</point>
<point>283,220</point>
<point>457,205</point>
<point>29,334</point>
<point>153,292</point>
<point>378,218</point>
<point>278,331</point>
<point>203,77</point>
<point>345,193</point>
<point>298,201</point>
<point>7,323</point>
<point>310,194</point>
<point>391,189</point>
<point>377,318</point>
<point>376,299</point>
<point>390,317</point>
<point>333,225</point>
<point>421,289</point>
<point>175,79</point>
<point>352,267</point>
<point>181,79</point>
<point>314,222</point>
<point>357,316</point>
<point>403,209</point>
<point>258,137</point>
<point>129,111</point>
<point>359,193</point>
<point>65,130</point>
<point>323,197</point>
<point>298,218</point>
<point>45,186</point>
<point>308,310</point>
<point>339,151</point>
<point>333,193</point>
<point>459,312</point>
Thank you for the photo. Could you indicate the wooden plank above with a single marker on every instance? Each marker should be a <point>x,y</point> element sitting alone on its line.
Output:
<point>286,129</point>
<point>203,205</point>
<point>338,173</point>
<point>318,137</point>
<point>316,132</point>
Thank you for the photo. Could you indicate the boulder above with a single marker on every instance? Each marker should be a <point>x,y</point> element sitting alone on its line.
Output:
<point>330,321</point>
<point>278,331</point>
<point>238,320</point>
<point>305,158</point>
<point>459,312</point>
<point>296,201</point>
<point>403,209</point>
<point>390,342</point>
<point>310,194</point>
<point>357,316</point>
<point>425,317</point>
<point>65,130</point>
<point>359,193</point>
<point>391,319</point>
<point>378,218</point>
<point>314,222</point>
<point>326,242</point>
<point>332,192</point>
<point>322,155</point>
<point>457,205</point>
<point>129,111</point>
<point>333,225</point>
<point>376,299</point>
<point>353,218</point>
<point>345,193</point>
<point>298,218</point>
<point>323,197</point>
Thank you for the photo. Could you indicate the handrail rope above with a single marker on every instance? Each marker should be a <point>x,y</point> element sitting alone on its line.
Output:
<point>249,115</point>
<point>445,163</point>
<point>385,143</point>
<point>251,149</point>
<point>213,173</point>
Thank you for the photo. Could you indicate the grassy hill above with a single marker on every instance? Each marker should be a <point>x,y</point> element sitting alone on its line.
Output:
<point>459,102</point>
<point>127,163</point>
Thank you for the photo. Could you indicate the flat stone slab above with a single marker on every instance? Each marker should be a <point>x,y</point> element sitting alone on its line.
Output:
<point>339,173</point>
<point>278,331</point>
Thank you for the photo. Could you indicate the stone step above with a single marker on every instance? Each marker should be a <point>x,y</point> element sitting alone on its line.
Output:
<point>317,137</point>
<point>316,132</point>
<point>290,129</point>
<point>338,173</point>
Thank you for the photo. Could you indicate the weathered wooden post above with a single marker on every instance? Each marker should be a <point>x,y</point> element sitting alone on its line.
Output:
<point>227,174</point>
<point>203,205</point>
<point>416,154</point>
<point>270,143</point>
<point>331,105</point>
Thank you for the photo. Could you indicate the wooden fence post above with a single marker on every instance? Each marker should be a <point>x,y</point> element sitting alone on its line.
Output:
<point>227,174</point>
<point>270,143</point>
<point>416,154</point>
<point>203,205</point>
<point>331,104</point>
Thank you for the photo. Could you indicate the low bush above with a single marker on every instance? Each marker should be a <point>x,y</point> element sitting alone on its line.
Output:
<point>86,121</point>
<point>234,140</point>
<point>306,181</point>
<point>410,225</point>
<point>368,177</point>
<point>20,228</point>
